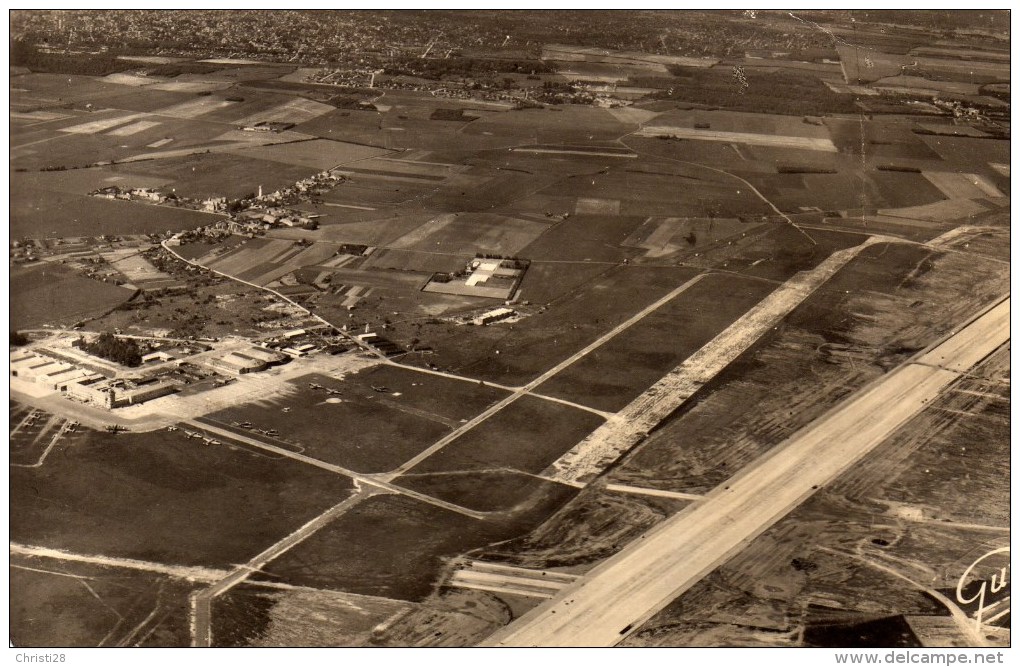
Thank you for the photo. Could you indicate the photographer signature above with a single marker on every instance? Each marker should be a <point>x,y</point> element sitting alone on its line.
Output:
<point>989,585</point>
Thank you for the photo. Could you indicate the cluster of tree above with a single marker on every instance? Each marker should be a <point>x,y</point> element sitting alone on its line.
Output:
<point>772,92</point>
<point>440,68</point>
<point>176,69</point>
<point>18,339</point>
<point>25,54</point>
<point>350,102</point>
<point>123,351</point>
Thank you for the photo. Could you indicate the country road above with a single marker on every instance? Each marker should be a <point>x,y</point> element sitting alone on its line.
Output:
<point>616,597</point>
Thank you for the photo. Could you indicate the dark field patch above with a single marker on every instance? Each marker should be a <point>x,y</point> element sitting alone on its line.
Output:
<point>528,435</point>
<point>393,546</point>
<point>367,431</point>
<point>570,322</point>
<point>777,252</point>
<point>485,491</point>
<point>221,175</point>
<point>76,604</point>
<point>882,267</point>
<point>51,293</point>
<point>548,281</point>
<point>37,213</point>
<point>891,632</point>
<point>585,238</point>
<point>617,372</point>
<point>159,496</point>
<point>250,615</point>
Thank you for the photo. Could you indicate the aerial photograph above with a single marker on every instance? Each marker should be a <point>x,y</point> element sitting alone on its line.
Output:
<point>509,328</point>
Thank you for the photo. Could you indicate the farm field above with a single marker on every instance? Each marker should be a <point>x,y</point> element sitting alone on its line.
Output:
<point>315,153</point>
<point>53,294</point>
<point>39,213</point>
<point>192,504</point>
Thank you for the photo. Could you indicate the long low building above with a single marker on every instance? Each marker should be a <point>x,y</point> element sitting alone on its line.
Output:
<point>251,360</point>
<point>119,393</point>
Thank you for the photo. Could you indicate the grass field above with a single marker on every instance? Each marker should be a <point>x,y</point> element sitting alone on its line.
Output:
<point>469,233</point>
<point>39,213</point>
<point>316,153</point>
<point>539,341</point>
<point>218,175</point>
<point>846,190</point>
<point>64,604</point>
<point>250,615</point>
<point>53,294</point>
<point>527,435</point>
<point>641,355</point>
<point>362,429</point>
<point>190,504</point>
<point>395,547</point>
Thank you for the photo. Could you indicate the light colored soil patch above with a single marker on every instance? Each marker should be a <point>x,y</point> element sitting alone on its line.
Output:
<point>133,128</point>
<point>807,143</point>
<point>318,153</point>
<point>295,111</point>
<point>100,125</point>
<point>195,108</point>
<point>962,186</point>
<point>938,212</point>
<point>594,206</point>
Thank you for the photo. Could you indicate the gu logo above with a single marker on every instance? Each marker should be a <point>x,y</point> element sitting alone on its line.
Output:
<point>993,576</point>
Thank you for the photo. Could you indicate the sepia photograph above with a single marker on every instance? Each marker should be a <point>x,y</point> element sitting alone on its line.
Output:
<point>559,328</point>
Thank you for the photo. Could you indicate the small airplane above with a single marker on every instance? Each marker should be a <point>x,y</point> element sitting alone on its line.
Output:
<point>115,428</point>
<point>245,424</point>
<point>286,409</point>
<point>333,392</point>
<point>171,428</point>
<point>192,434</point>
<point>381,390</point>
